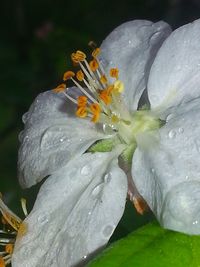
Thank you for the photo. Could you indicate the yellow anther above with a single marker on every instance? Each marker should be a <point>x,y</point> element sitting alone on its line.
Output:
<point>81,112</point>
<point>109,89</point>
<point>60,88</point>
<point>114,73</point>
<point>93,65</point>
<point>96,52</point>
<point>78,56</point>
<point>2,262</point>
<point>114,119</point>
<point>103,79</point>
<point>12,220</point>
<point>80,75</point>
<point>95,110</point>
<point>68,75</point>
<point>105,96</point>
<point>22,229</point>
<point>82,101</point>
<point>118,86</point>
<point>9,248</point>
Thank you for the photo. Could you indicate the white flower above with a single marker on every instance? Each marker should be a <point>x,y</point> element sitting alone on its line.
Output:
<point>83,198</point>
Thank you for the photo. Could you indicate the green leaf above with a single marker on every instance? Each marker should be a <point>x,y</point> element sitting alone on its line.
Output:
<point>152,246</point>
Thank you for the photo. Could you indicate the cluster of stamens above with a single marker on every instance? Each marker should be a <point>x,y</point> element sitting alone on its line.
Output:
<point>11,227</point>
<point>98,96</point>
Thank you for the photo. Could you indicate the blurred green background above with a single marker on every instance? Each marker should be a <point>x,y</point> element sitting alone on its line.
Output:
<point>36,40</point>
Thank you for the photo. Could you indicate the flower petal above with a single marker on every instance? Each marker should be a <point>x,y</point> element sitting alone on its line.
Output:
<point>131,48</point>
<point>52,136</point>
<point>76,211</point>
<point>166,170</point>
<point>175,74</point>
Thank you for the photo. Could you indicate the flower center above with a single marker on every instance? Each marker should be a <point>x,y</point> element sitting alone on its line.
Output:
<point>101,99</point>
<point>12,226</point>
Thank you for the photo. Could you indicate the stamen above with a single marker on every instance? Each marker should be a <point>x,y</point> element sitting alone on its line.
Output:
<point>118,86</point>
<point>99,93</point>
<point>80,75</point>
<point>103,79</point>
<point>9,248</point>
<point>60,88</point>
<point>82,101</point>
<point>9,216</point>
<point>23,204</point>
<point>78,56</point>
<point>105,96</point>
<point>114,73</point>
<point>2,262</point>
<point>96,52</point>
<point>68,75</point>
<point>81,112</point>
<point>95,110</point>
<point>93,65</point>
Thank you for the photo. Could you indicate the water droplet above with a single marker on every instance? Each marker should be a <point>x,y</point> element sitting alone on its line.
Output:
<point>43,219</point>
<point>61,139</point>
<point>152,170</point>
<point>180,130</point>
<point>108,230</point>
<point>89,213</point>
<point>85,257</point>
<point>25,117</point>
<point>172,134</point>
<point>169,117</point>
<point>107,129</point>
<point>97,190</point>
<point>154,36</point>
<point>195,222</point>
<point>107,177</point>
<point>85,170</point>
<point>186,177</point>
<point>129,41</point>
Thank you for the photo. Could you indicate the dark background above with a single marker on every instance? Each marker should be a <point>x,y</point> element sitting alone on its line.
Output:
<point>36,40</point>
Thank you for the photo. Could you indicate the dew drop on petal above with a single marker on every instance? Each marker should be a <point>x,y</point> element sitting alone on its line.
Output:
<point>85,170</point>
<point>180,130</point>
<point>108,230</point>
<point>97,190</point>
<point>172,134</point>
<point>107,177</point>
<point>169,117</point>
<point>107,129</point>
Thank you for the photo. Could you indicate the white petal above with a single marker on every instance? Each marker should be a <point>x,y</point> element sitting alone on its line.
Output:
<point>75,213</point>
<point>166,171</point>
<point>175,74</point>
<point>131,48</point>
<point>52,136</point>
